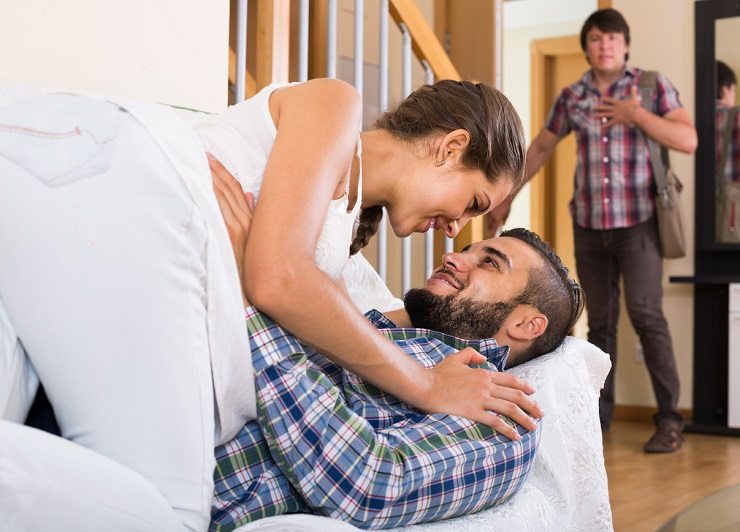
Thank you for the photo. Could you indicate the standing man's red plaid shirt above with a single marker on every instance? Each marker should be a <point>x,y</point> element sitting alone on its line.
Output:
<point>731,171</point>
<point>614,184</point>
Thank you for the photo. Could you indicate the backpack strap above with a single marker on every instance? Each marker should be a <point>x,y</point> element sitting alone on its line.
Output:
<point>658,154</point>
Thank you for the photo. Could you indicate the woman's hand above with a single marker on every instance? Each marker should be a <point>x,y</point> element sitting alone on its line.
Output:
<point>237,209</point>
<point>481,395</point>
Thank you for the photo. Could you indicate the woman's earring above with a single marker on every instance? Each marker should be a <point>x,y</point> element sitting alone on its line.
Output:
<point>442,162</point>
<point>436,162</point>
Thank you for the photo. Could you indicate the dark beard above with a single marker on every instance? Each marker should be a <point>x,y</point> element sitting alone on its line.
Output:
<point>456,316</point>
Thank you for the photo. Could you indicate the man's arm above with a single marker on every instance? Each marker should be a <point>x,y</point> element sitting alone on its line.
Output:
<point>539,151</point>
<point>674,130</point>
<point>537,154</point>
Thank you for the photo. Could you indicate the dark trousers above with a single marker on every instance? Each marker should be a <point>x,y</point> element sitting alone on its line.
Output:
<point>633,253</point>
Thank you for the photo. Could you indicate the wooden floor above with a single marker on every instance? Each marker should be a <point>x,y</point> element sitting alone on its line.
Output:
<point>647,489</point>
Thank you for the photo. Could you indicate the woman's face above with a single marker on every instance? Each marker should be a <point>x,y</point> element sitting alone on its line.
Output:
<point>444,198</point>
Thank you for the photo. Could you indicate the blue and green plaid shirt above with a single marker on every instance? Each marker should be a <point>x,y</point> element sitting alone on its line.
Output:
<point>327,442</point>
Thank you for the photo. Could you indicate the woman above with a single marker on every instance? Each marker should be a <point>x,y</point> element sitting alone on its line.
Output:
<point>117,274</point>
<point>448,152</point>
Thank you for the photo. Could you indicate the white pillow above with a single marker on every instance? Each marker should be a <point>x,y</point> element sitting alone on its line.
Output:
<point>48,483</point>
<point>18,380</point>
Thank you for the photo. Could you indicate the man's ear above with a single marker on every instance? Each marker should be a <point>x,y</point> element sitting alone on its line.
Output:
<point>525,324</point>
<point>453,145</point>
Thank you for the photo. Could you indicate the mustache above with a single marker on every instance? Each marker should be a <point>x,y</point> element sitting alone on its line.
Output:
<point>446,271</point>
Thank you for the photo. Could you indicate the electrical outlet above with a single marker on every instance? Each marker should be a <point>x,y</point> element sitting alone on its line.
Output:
<point>639,353</point>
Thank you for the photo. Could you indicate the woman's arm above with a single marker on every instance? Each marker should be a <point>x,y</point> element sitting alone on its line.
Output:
<point>317,128</point>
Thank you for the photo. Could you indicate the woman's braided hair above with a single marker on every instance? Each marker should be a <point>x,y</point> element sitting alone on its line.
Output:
<point>496,135</point>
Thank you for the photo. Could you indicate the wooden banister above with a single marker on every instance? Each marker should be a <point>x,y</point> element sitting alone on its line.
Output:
<point>425,44</point>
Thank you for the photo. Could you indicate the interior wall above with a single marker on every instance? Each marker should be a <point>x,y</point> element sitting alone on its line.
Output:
<point>525,21</point>
<point>170,51</point>
<point>656,47</point>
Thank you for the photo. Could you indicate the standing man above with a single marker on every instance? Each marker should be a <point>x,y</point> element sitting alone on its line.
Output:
<point>613,205</point>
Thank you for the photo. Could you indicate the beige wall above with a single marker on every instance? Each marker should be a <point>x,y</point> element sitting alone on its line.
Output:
<point>656,47</point>
<point>171,51</point>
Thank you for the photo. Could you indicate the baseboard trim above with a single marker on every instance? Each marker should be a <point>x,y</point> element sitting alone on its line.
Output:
<point>643,413</point>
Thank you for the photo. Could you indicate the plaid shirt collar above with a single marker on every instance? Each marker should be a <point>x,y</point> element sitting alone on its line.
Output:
<point>629,74</point>
<point>488,347</point>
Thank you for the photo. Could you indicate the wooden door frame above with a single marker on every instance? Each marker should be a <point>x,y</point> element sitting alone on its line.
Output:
<point>544,54</point>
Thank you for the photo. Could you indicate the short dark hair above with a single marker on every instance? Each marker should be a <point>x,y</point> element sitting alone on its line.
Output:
<point>725,77</point>
<point>609,21</point>
<point>551,291</point>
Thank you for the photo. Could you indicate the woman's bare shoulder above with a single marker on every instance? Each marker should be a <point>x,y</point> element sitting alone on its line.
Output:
<point>322,97</point>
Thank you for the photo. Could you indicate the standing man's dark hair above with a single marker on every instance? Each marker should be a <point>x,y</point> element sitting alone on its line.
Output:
<point>608,21</point>
<point>725,77</point>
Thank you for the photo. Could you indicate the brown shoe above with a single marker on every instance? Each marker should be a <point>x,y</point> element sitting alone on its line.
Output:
<point>667,438</point>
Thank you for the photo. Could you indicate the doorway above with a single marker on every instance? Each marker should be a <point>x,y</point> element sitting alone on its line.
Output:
<point>556,63</point>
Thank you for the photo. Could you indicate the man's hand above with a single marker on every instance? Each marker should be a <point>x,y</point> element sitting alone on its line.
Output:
<point>619,111</point>
<point>496,218</point>
<point>237,209</point>
<point>481,395</point>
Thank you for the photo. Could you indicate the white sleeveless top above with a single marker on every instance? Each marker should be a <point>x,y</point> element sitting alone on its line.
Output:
<point>242,138</point>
